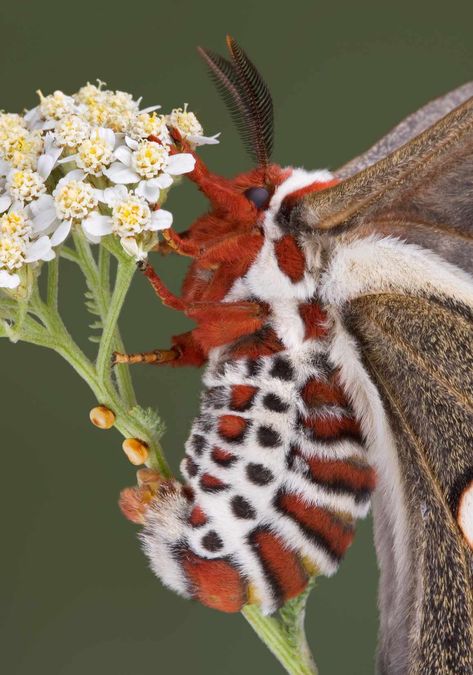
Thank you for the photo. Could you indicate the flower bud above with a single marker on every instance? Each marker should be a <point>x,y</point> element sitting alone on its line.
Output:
<point>136,451</point>
<point>102,417</point>
<point>149,477</point>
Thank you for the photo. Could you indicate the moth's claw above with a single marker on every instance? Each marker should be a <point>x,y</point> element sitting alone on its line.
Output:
<point>115,358</point>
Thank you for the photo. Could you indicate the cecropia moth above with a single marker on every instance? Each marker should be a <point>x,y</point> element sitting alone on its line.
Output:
<point>334,315</point>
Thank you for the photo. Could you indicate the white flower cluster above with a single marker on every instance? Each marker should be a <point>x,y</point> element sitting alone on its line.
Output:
<point>93,162</point>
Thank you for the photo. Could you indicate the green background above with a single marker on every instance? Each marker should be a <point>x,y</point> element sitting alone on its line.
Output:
<point>75,592</point>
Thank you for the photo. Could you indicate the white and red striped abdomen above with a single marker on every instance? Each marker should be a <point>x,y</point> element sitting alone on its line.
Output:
<point>275,463</point>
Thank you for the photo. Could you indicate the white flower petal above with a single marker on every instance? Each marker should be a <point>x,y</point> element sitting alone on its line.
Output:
<point>91,239</point>
<point>119,173</point>
<point>149,190</point>
<point>61,233</point>
<point>131,143</point>
<point>181,163</point>
<point>50,145</point>
<point>49,256</point>
<point>5,167</point>
<point>107,135</point>
<point>160,220</point>
<point>204,140</point>
<point>5,202</point>
<point>67,159</point>
<point>123,154</point>
<point>130,245</point>
<point>114,195</point>
<point>97,225</point>
<point>17,206</point>
<point>76,174</point>
<point>43,220</point>
<point>41,204</point>
<point>48,124</point>
<point>45,165</point>
<point>164,181</point>
<point>8,280</point>
<point>38,249</point>
<point>31,114</point>
<point>149,109</point>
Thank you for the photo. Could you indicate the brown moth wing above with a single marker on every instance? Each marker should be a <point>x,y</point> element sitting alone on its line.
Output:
<point>419,353</point>
<point>421,192</point>
<point>406,130</point>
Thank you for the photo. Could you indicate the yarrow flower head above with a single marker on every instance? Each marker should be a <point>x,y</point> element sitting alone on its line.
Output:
<point>189,127</point>
<point>20,147</point>
<point>92,162</point>
<point>149,124</point>
<point>71,131</point>
<point>95,152</point>
<point>74,198</point>
<point>19,245</point>
<point>21,185</point>
<point>71,201</point>
<point>9,122</point>
<point>150,159</point>
<point>149,165</point>
<point>56,105</point>
<point>131,217</point>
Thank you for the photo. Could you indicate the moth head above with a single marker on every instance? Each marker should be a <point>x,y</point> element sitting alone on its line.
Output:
<point>252,199</point>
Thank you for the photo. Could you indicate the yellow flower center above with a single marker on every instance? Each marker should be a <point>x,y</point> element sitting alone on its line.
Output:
<point>94,155</point>
<point>149,124</point>
<point>130,216</point>
<point>20,147</point>
<point>75,200</point>
<point>14,225</point>
<point>26,185</point>
<point>55,105</point>
<point>186,122</point>
<point>71,131</point>
<point>12,252</point>
<point>150,159</point>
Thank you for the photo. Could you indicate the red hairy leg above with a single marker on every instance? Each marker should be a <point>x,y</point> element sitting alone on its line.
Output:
<point>179,245</point>
<point>219,190</point>
<point>218,323</point>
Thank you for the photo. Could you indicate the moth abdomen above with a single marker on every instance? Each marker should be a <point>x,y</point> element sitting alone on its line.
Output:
<point>277,481</point>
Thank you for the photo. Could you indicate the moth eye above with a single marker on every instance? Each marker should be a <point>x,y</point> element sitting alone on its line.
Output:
<point>259,196</point>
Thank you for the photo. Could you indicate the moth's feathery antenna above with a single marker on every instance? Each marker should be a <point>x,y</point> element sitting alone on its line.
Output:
<point>247,98</point>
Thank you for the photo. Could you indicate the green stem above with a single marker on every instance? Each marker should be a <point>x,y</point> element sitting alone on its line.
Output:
<point>284,634</point>
<point>57,337</point>
<point>53,279</point>
<point>126,423</point>
<point>98,282</point>
<point>68,254</point>
<point>122,283</point>
<point>104,268</point>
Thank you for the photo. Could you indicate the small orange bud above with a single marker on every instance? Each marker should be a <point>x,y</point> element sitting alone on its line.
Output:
<point>150,478</point>
<point>136,451</point>
<point>102,417</point>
